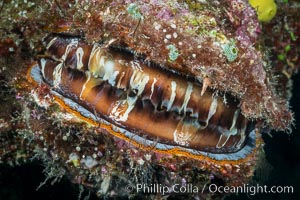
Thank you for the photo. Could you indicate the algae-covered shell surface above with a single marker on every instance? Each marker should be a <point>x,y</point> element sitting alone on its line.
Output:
<point>139,99</point>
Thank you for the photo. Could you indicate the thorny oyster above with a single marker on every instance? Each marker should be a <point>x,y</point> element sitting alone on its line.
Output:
<point>149,91</point>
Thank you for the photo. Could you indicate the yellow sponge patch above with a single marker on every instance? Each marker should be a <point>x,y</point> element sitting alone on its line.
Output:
<point>266,9</point>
